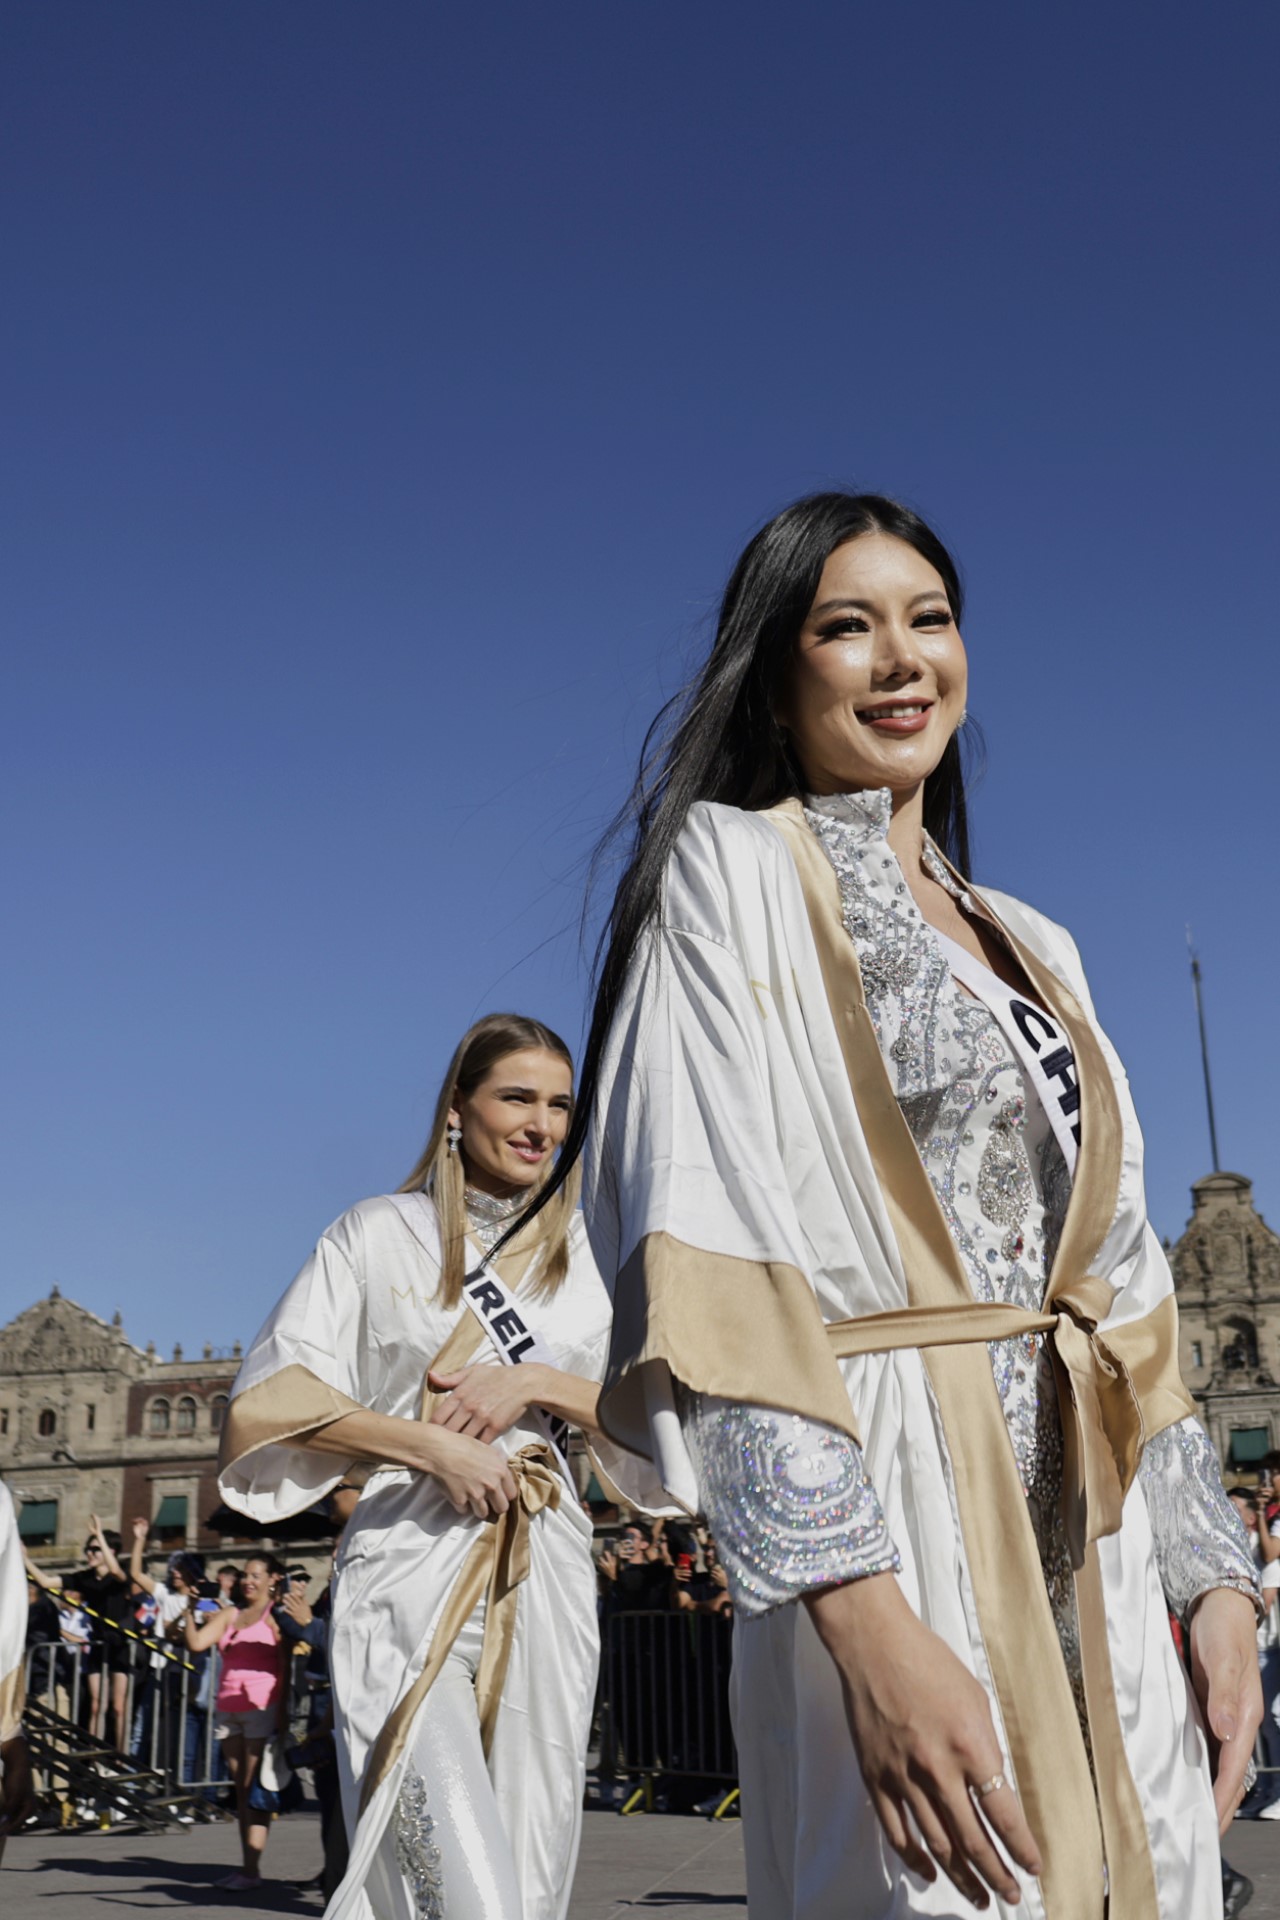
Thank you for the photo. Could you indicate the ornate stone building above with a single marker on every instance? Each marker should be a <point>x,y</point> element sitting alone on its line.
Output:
<point>89,1423</point>
<point>1226,1268</point>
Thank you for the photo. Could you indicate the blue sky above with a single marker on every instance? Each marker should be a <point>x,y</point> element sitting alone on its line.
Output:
<point>387,391</point>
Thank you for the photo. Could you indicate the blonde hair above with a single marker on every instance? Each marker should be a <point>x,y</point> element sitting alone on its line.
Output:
<point>442,1175</point>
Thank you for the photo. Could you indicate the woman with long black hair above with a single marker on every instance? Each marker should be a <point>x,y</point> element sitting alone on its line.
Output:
<point>866,1178</point>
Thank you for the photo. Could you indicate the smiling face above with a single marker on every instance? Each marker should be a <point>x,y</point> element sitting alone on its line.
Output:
<point>514,1120</point>
<point>255,1582</point>
<point>876,685</point>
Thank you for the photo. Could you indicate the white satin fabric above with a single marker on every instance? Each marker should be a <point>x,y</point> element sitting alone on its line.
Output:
<point>13,1617</point>
<point>727,1122</point>
<point>362,1315</point>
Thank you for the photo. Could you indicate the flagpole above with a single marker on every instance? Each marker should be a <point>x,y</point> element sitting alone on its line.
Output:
<point>1204,1050</point>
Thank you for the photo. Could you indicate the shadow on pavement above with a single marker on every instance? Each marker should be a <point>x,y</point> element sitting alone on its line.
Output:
<point>672,1897</point>
<point>181,1880</point>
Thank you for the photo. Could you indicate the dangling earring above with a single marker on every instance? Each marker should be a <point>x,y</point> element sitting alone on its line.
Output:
<point>964,715</point>
<point>453,1136</point>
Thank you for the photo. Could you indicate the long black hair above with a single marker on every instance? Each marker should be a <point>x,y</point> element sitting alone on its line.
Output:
<point>719,738</point>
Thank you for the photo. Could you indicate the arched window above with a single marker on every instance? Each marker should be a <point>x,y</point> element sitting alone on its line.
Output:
<point>1240,1351</point>
<point>47,1425</point>
<point>217,1411</point>
<point>159,1416</point>
<point>186,1414</point>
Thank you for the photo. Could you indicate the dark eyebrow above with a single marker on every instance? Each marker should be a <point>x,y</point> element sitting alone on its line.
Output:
<point>868,606</point>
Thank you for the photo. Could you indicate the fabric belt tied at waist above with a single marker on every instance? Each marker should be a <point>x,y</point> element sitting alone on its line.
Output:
<point>498,1563</point>
<point>1103,1428</point>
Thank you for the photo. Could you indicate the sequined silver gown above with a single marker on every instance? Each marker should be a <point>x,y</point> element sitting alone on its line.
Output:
<point>789,1500</point>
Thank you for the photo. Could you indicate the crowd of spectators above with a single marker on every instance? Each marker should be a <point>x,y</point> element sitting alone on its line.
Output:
<point>202,1679</point>
<point>666,1565</point>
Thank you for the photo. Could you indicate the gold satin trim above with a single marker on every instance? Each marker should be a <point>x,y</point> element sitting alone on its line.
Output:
<point>498,1563</point>
<point>289,1405</point>
<point>1108,1408</point>
<point>1046,1747</point>
<point>1149,1349</point>
<point>1125,1840</point>
<point>13,1700</point>
<point>1119,1386</point>
<point>295,1403</point>
<point>458,1349</point>
<point>1102,1424</point>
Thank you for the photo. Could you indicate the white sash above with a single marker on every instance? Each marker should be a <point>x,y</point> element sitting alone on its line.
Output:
<point>1039,1044</point>
<point>515,1340</point>
<point>512,1335</point>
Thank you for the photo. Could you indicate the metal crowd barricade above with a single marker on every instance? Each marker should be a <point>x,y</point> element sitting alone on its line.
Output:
<point>153,1762</point>
<point>665,1704</point>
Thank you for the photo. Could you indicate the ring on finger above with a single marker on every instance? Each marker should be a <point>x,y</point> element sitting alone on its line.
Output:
<point>993,1785</point>
<point>1250,1780</point>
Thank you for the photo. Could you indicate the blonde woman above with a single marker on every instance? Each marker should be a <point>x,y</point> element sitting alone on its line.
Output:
<point>464,1641</point>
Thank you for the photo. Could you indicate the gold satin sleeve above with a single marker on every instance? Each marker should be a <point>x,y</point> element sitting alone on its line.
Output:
<point>1149,1349</point>
<point>747,1330</point>
<point>13,1700</point>
<point>751,1331</point>
<point>292,1405</point>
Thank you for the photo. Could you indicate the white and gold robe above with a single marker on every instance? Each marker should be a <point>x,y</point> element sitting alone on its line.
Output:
<point>13,1621</point>
<point>359,1328</point>
<point>757,1201</point>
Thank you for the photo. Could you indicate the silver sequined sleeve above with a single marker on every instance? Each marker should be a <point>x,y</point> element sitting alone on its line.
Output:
<point>788,1500</point>
<point>1199,1540</point>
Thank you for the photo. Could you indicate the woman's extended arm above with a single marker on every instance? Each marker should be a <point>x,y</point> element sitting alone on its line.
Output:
<point>1209,1579</point>
<point>200,1638</point>
<point>137,1572</point>
<point>113,1566</point>
<point>41,1578</point>
<point>795,1517</point>
<point>475,1477</point>
<point>485,1401</point>
<point>924,1736</point>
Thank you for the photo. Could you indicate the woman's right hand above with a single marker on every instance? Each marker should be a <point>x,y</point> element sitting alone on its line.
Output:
<point>924,1737</point>
<point>476,1476</point>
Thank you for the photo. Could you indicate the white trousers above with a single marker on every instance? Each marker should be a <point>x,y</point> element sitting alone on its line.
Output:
<point>445,1849</point>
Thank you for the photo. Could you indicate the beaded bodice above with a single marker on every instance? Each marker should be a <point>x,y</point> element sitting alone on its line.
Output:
<point>790,1500</point>
<point>990,1153</point>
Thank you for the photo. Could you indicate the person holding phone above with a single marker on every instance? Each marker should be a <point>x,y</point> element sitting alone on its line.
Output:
<point>251,1700</point>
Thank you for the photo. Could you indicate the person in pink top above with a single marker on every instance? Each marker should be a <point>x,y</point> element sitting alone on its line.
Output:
<point>250,1703</point>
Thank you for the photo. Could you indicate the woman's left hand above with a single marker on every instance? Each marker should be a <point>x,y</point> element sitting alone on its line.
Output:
<point>485,1402</point>
<point>1224,1671</point>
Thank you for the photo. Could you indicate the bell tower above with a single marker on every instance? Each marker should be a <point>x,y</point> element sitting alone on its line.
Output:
<point>1226,1269</point>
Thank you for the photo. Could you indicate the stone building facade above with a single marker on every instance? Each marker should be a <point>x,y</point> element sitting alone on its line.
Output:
<point>1226,1269</point>
<point>90,1423</point>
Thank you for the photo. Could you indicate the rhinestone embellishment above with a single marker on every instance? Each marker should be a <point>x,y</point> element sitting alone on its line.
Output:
<point>417,1855</point>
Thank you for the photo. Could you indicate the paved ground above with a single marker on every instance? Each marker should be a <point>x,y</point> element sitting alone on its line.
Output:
<point>681,1869</point>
